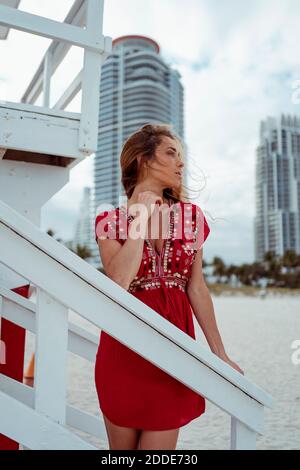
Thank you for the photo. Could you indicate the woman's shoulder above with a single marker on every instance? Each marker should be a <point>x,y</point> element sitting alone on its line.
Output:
<point>189,209</point>
<point>108,223</point>
<point>193,216</point>
<point>107,214</point>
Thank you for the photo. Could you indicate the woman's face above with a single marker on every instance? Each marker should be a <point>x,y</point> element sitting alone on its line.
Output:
<point>168,165</point>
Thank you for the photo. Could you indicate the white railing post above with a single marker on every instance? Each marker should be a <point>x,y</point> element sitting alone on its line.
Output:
<point>241,437</point>
<point>47,71</point>
<point>2,344</point>
<point>51,357</point>
<point>88,132</point>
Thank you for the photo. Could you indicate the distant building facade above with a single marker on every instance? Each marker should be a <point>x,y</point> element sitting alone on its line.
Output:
<point>84,230</point>
<point>137,87</point>
<point>277,187</point>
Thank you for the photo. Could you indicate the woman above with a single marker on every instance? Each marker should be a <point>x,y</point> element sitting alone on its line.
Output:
<point>144,407</point>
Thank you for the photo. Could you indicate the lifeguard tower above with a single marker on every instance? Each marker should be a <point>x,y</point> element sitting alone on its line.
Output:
<point>39,145</point>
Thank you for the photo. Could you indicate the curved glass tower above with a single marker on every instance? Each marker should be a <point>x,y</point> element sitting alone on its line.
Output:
<point>277,188</point>
<point>137,87</point>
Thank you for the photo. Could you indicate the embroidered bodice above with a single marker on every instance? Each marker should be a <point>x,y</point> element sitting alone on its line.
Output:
<point>188,229</point>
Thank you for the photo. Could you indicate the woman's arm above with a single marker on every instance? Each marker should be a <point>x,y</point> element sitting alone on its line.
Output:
<point>121,262</point>
<point>202,305</point>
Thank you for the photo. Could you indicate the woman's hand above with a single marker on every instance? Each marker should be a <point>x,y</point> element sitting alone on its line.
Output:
<point>233,364</point>
<point>148,201</point>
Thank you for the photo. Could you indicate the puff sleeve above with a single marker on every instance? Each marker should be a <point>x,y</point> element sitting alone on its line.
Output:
<point>110,224</point>
<point>201,228</point>
<point>104,225</point>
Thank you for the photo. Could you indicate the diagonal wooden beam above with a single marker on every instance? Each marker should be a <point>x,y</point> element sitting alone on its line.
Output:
<point>41,434</point>
<point>51,29</point>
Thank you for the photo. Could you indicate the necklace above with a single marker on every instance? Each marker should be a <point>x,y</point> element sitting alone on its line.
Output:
<point>164,253</point>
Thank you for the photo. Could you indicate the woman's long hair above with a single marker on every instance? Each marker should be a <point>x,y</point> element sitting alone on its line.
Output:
<point>143,143</point>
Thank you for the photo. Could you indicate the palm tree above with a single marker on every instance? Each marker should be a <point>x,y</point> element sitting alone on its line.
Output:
<point>231,270</point>
<point>219,267</point>
<point>290,259</point>
<point>270,256</point>
<point>50,232</point>
<point>258,271</point>
<point>244,272</point>
<point>83,251</point>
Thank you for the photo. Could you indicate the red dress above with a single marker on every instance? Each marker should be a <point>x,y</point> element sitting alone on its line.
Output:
<point>132,391</point>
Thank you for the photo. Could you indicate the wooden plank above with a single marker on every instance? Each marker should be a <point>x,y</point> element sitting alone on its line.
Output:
<point>75,417</point>
<point>12,4</point>
<point>35,109</point>
<point>241,437</point>
<point>17,299</point>
<point>86,422</point>
<point>80,342</point>
<point>51,29</point>
<point>35,430</point>
<point>91,74</point>
<point>50,373</point>
<point>17,390</point>
<point>70,93</point>
<point>2,344</point>
<point>47,135</point>
<point>47,79</point>
<point>58,50</point>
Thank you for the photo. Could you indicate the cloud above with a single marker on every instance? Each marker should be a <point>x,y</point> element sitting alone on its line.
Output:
<point>248,76</point>
<point>237,61</point>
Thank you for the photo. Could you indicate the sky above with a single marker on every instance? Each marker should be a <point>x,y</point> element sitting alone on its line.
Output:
<point>238,62</point>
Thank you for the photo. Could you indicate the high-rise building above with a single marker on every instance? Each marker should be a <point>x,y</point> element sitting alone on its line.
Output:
<point>277,219</point>
<point>137,87</point>
<point>84,231</point>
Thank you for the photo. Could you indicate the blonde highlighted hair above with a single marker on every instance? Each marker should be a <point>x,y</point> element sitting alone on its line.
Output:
<point>143,143</point>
